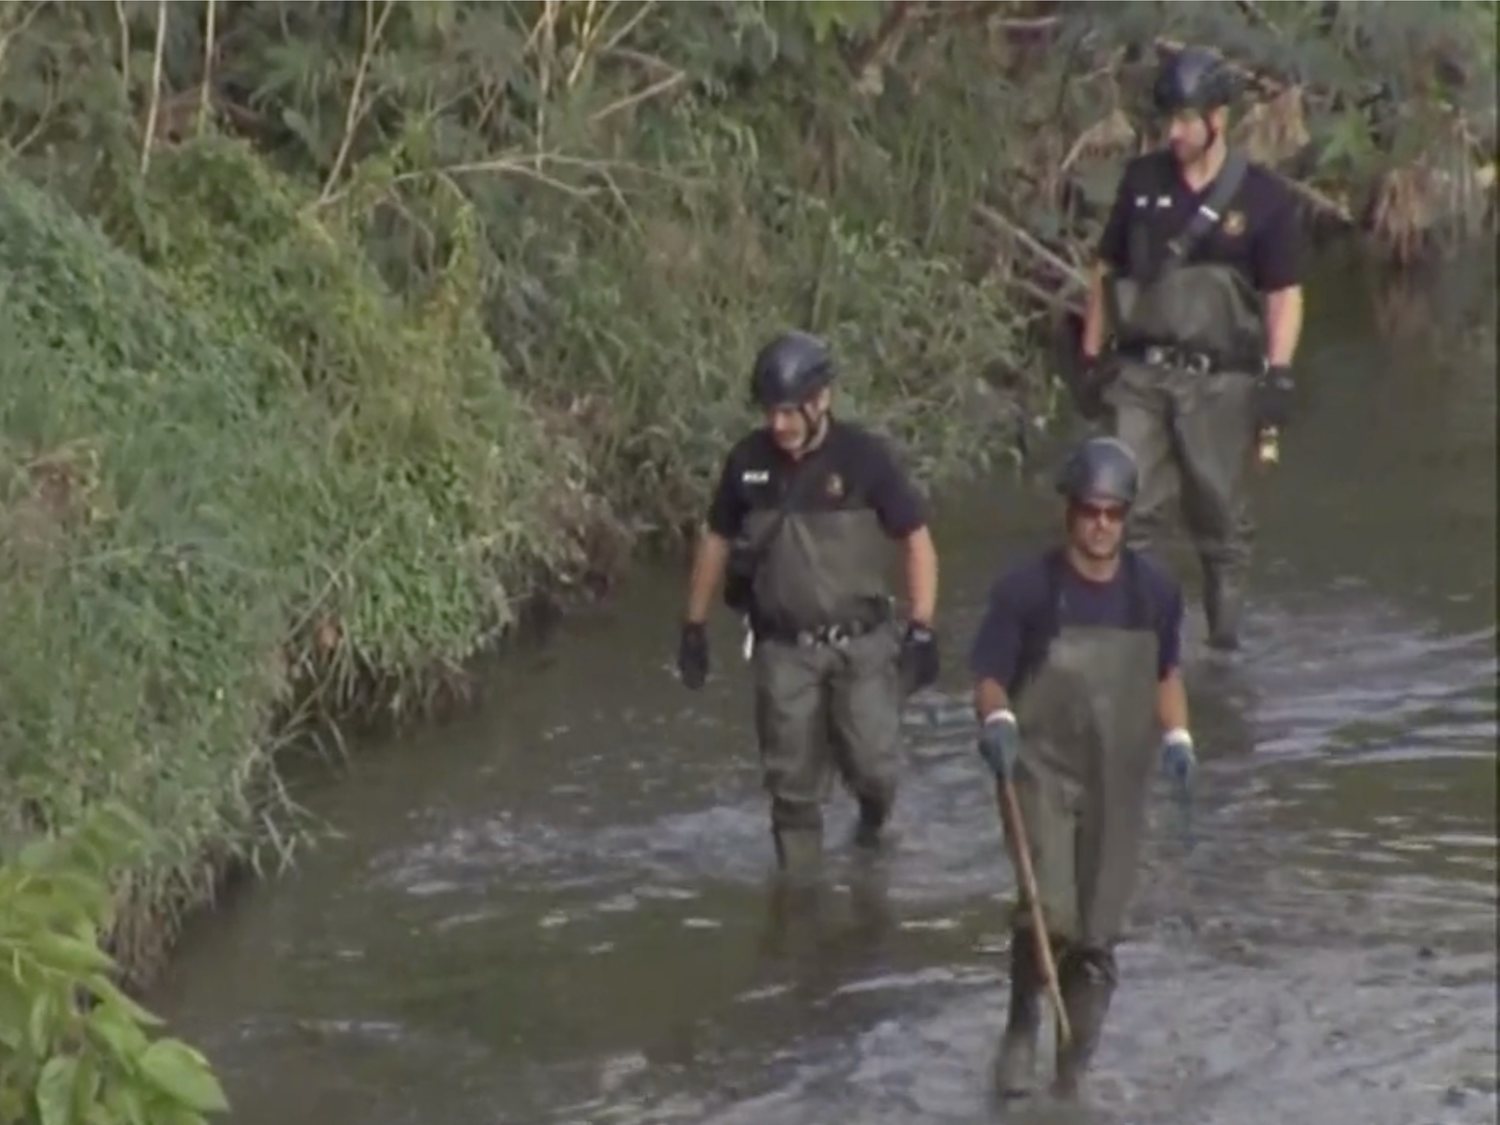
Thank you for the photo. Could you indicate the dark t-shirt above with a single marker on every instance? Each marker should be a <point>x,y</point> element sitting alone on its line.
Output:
<point>1022,615</point>
<point>1257,232</point>
<point>852,469</point>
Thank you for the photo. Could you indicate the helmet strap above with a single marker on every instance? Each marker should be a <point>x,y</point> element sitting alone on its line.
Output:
<point>815,426</point>
<point>1208,122</point>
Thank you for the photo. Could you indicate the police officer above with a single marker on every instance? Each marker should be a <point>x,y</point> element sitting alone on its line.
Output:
<point>1078,692</point>
<point>1203,351</point>
<point>799,525</point>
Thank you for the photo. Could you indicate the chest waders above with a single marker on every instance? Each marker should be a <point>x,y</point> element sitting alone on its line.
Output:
<point>827,690</point>
<point>1089,734</point>
<point>1191,341</point>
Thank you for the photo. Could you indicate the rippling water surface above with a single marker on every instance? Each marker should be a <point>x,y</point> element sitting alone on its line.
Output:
<point>558,910</point>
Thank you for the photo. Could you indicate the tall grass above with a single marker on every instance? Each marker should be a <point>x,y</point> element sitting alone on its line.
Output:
<point>243,475</point>
<point>196,523</point>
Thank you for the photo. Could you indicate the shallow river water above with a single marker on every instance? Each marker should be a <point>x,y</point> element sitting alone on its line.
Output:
<point>558,908</point>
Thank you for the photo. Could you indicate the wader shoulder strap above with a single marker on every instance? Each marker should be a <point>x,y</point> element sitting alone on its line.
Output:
<point>1142,608</point>
<point>1142,267</point>
<point>1142,612</point>
<point>1053,564</point>
<point>1207,216</point>
<point>1041,630</point>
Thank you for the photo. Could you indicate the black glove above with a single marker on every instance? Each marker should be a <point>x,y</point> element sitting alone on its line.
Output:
<point>692,655</point>
<point>1094,375</point>
<point>1274,392</point>
<point>918,662</point>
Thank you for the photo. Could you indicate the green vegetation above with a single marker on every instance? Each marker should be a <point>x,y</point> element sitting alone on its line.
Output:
<point>73,1047</point>
<point>196,523</point>
<point>332,333</point>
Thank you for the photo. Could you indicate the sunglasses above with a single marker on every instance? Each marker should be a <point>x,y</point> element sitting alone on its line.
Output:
<point>1113,513</point>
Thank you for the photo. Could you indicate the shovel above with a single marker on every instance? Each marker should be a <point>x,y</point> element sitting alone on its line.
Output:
<point>1021,849</point>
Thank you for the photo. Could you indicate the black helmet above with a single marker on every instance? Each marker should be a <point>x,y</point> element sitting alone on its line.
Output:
<point>1193,78</point>
<point>790,369</point>
<point>1101,467</point>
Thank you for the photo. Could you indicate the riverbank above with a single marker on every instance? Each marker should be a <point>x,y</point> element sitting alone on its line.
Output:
<point>335,336</point>
<point>209,545</point>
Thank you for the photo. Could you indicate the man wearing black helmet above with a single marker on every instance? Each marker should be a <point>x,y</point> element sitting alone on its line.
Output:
<point>797,530</point>
<point>1198,284</point>
<point>1078,693</point>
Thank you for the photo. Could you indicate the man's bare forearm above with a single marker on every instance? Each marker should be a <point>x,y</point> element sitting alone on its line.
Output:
<point>989,697</point>
<point>921,576</point>
<point>709,559</point>
<point>1094,325</point>
<point>1171,703</point>
<point>1283,325</point>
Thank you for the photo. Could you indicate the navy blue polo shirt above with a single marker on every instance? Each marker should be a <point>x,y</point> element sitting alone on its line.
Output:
<point>851,468</point>
<point>1023,614</point>
<point>1258,231</point>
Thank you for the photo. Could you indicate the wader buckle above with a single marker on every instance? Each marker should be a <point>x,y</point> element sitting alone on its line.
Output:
<point>1199,363</point>
<point>836,635</point>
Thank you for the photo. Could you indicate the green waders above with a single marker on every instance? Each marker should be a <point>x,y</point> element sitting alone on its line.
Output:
<point>1191,427</point>
<point>1089,733</point>
<point>827,689</point>
<point>1193,436</point>
<point>819,707</point>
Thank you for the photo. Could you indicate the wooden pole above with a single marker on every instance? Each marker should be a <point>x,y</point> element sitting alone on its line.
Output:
<point>1010,810</point>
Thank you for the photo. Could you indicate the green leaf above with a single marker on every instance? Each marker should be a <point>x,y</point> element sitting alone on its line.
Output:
<point>87,894</point>
<point>110,994</point>
<point>86,1084</point>
<point>54,1090</point>
<point>39,855</point>
<point>12,1014</point>
<point>39,1026</point>
<point>68,954</point>
<point>125,1104</point>
<point>178,1070</point>
<point>114,1032</point>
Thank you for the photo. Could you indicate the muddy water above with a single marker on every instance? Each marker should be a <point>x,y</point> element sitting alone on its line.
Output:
<point>558,909</point>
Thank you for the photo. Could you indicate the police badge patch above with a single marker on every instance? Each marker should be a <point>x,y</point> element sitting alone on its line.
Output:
<point>834,487</point>
<point>1234,223</point>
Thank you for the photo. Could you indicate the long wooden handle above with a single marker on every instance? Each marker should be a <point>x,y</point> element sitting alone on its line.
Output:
<point>1021,851</point>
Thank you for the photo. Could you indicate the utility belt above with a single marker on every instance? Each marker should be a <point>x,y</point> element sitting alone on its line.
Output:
<point>836,635</point>
<point>1188,359</point>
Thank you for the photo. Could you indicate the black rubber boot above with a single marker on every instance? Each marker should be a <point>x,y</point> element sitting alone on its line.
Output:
<point>873,813</point>
<point>1087,984</point>
<point>1223,603</point>
<point>1016,1062</point>
<point>799,852</point>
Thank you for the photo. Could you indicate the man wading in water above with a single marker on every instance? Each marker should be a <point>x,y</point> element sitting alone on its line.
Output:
<point>1078,693</point>
<point>804,510</point>
<point>1199,282</point>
